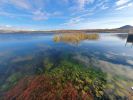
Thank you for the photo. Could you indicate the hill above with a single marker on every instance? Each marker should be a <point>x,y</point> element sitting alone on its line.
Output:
<point>126,27</point>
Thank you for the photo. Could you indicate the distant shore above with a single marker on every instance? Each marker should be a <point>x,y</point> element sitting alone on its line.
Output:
<point>74,31</point>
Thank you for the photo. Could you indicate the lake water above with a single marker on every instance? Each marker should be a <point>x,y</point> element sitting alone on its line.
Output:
<point>23,55</point>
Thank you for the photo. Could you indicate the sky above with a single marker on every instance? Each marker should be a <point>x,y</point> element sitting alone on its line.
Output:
<point>65,14</point>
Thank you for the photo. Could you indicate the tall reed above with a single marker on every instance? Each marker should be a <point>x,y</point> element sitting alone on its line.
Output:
<point>74,38</point>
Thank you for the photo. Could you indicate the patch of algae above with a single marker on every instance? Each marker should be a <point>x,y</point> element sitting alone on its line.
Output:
<point>111,86</point>
<point>119,84</point>
<point>119,93</point>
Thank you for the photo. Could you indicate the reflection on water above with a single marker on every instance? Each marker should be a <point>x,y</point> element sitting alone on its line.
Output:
<point>39,68</point>
<point>130,39</point>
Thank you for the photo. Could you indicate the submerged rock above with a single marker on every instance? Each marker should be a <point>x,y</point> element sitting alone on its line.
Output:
<point>132,88</point>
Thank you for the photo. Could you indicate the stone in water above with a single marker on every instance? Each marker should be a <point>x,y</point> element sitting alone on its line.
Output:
<point>132,88</point>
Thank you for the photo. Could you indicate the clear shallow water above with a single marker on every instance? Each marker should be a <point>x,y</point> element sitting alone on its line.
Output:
<point>23,54</point>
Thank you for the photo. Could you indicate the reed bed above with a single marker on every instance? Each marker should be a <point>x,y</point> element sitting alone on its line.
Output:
<point>74,38</point>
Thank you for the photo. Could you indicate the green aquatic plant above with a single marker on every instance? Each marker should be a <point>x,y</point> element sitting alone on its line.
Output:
<point>14,77</point>
<point>7,86</point>
<point>111,86</point>
<point>47,65</point>
<point>11,81</point>
<point>40,71</point>
<point>85,78</point>
<point>119,93</point>
<point>118,84</point>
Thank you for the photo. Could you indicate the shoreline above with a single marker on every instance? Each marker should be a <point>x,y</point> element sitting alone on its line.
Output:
<point>74,31</point>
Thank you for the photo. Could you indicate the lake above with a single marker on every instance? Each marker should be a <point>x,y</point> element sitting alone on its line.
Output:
<point>96,69</point>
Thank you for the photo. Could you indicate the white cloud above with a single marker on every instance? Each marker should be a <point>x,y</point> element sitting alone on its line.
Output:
<point>72,14</point>
<point>20,4</point>
<point>80,4</point>
<point>74,21</point>
<point>11,15</point>
<point>121,2</point>
<point>103,7</point>
<point>124,6</point>
<point>39,18</point>
<point>87,14</point>
<point>121,7</point>
<point>25,4</point>
<point>35,8</point>
<point>28,6</point>
<point>38,15</point>
<point>38,12</point>
<point>102,23</point>
<point>55,13</point>
<point>5,27</point>
<point>17,3</point>
<point>8,27</point>
<point>130,4</point>
<point>99,4</point>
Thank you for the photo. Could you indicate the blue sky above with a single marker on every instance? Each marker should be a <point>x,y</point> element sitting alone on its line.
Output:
<point>64,14</point>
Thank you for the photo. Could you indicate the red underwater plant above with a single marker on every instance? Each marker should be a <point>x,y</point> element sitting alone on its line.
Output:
<point>45,87</point>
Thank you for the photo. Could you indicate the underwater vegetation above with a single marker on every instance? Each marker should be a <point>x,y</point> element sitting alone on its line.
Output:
<point>45,87</point>
<point>118,85</point>
<point>66,82</point>
<point>12,72</point>
<point>61,76</point>
<point>74,38</point>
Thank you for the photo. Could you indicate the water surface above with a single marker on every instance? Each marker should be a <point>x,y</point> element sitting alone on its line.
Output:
<point>23,54</point>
